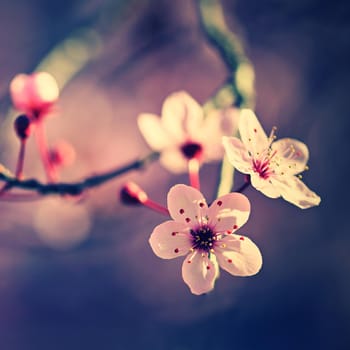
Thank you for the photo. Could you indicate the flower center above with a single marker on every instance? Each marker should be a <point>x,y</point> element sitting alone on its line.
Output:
<point>262,168</point>
<point>192,150</point>
<point>203,238</point>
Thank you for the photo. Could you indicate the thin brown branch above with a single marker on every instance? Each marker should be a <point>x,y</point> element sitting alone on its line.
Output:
<point>75,188</point>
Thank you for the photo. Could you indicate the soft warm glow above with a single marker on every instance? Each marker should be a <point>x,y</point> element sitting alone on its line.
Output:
<point>61,224</point>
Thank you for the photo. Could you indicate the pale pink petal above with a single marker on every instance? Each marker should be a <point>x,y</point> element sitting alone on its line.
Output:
<point>252,134</point>
<point>186,204</point>
<point>199,273</point>
<point>229,212</point>
<point>295,191</point>
<point>181,115</point>
<point>173,160</point>
<point>217,124</point>
<point>265,186</point>
<point>237,154</point>
<point>152,130</point>
<point>19,95</point>
<point>170,240</point>
<point>45,88</point>
<point>238,255</point>
<point>292,155</point>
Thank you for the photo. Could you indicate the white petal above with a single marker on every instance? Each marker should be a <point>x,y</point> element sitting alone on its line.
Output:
<point>237,154</point>
<point>229,212</point>
<point>18,90</point>
<point>173,160</point>
<point>265,186</point>
<point>153,131</point>
<point>292,155</point>
<point>45,88</point>
<point>181,115</point>
<point>252,134</point>
<point>217,124</point>
<point>239,256</point>
<point>199,273</point>
<point>295,191</point>
<point>170,240</point>
<point>186,204</point>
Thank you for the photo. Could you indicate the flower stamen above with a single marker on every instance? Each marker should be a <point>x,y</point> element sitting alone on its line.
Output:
<point>272,135</point>
<point>203,238</point>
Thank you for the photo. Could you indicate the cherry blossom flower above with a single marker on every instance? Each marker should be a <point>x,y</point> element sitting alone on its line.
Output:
<point>182,133</point>
<point>273,166</point>
<point>34,94</point>
<point>206,236</point>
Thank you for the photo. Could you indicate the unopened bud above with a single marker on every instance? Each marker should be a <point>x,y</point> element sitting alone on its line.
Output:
<point>22,126</point>
<point>34,94</point>
<point>132,194</point>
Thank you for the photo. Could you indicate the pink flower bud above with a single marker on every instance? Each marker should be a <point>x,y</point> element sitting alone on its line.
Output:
<point>132,194</point>
<point>22,126</point>
<point>34,94</point>
<point>62,154</point>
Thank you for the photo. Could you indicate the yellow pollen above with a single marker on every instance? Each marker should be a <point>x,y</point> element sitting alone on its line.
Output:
<point>272,135</point>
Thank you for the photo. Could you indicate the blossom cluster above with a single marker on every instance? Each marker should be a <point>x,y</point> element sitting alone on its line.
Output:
<point>207,235</point>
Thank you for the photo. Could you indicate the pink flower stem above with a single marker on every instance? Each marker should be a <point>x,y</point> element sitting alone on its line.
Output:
<point>155,206</point>
<point>134,194</point>
<point>193,171</point>
<point>20,161</point>
<point>19,169</point>
<point>44,153</point>
<point>3,189</point>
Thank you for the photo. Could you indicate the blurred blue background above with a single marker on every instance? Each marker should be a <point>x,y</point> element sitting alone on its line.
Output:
<point>105,289</point>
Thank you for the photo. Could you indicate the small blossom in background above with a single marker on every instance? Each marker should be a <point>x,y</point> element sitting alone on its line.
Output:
<point>62,154</point>
<point>182,133</point>
<point>206,236</point>
<point>273,166</point>
<point>34,94</point>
